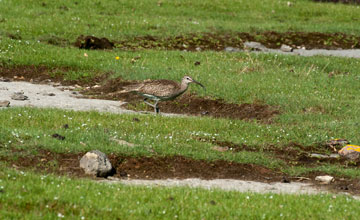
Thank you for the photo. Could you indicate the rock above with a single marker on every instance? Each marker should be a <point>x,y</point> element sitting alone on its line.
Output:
<point>254,46</point>
<point>96,163</point>
<point>4,103</point>
<point>286,48</point>
<point>324,179</point>
<point>231,49</point>
<point>2,79</point>
<point>351,152</point>
<point>324,155</point>
<point>19,96</point>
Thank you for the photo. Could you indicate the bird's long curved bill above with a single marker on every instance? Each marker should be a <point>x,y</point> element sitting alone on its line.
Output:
<point>199,84</point>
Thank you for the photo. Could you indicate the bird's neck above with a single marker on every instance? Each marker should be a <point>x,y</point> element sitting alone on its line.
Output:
<point>183,86</point>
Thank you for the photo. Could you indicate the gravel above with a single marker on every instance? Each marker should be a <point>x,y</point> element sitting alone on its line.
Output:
<point>227,184</point>
<point>47,96</point>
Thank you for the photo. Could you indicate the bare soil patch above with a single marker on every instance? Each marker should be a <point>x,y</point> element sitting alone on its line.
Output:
<point>292,154</point>
<point>189,104</point>
<point>146,167</point>
<point>219,41</point>
<point>169,167</point>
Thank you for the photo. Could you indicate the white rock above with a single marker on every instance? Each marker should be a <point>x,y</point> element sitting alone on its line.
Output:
<point>96,163</point>
<point>286,48</point>
<point>324,179</point>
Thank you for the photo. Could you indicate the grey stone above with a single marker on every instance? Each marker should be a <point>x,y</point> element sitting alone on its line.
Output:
<point>254,46</point>
<point>232,49</point>
<point>324,155</point>
<point>19,96</point>
<point>4,103</point>
<point>96,163</point>
<point>286,48</point>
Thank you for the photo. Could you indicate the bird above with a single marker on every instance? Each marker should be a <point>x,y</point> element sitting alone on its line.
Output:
<point>160,90</point>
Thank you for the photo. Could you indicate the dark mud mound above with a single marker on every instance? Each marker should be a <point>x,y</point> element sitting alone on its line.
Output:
<point>147,167</point>
<point>340,1</point>
<point>177,167</point>
<point>182,168</point>
<point>193,105</point>
<point>93,43</point>
<point>219,41</point>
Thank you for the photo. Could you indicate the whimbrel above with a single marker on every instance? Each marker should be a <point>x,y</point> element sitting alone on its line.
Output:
<point>161,90</point>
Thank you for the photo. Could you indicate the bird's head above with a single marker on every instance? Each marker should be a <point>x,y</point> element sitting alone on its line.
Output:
<point>188,79</point>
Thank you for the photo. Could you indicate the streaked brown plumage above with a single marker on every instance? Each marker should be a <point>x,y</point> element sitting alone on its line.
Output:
<point>161,90</point>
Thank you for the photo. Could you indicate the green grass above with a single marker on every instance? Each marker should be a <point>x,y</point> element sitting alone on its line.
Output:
<point>34,20</point>
<point>25,195</point>
<point>314,107</point>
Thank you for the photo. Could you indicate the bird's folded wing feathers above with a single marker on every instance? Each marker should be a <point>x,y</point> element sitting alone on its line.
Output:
<point>159,88</point>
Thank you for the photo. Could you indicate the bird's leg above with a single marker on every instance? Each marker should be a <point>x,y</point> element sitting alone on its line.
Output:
<point>149,103</point>
<point>157,109</point>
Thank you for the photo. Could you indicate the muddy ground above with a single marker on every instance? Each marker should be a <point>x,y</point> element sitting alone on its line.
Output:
<point>220,41</point>
<point>179,167</point>
<point>102,88</point>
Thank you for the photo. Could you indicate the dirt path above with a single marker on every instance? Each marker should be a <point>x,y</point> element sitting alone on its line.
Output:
<point>355,53</point>
<point>228,185</point>
<point>47,96</point>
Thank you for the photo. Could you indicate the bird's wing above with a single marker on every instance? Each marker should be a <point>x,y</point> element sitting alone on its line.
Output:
<point>132,87</point>
<point>162,88</point>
